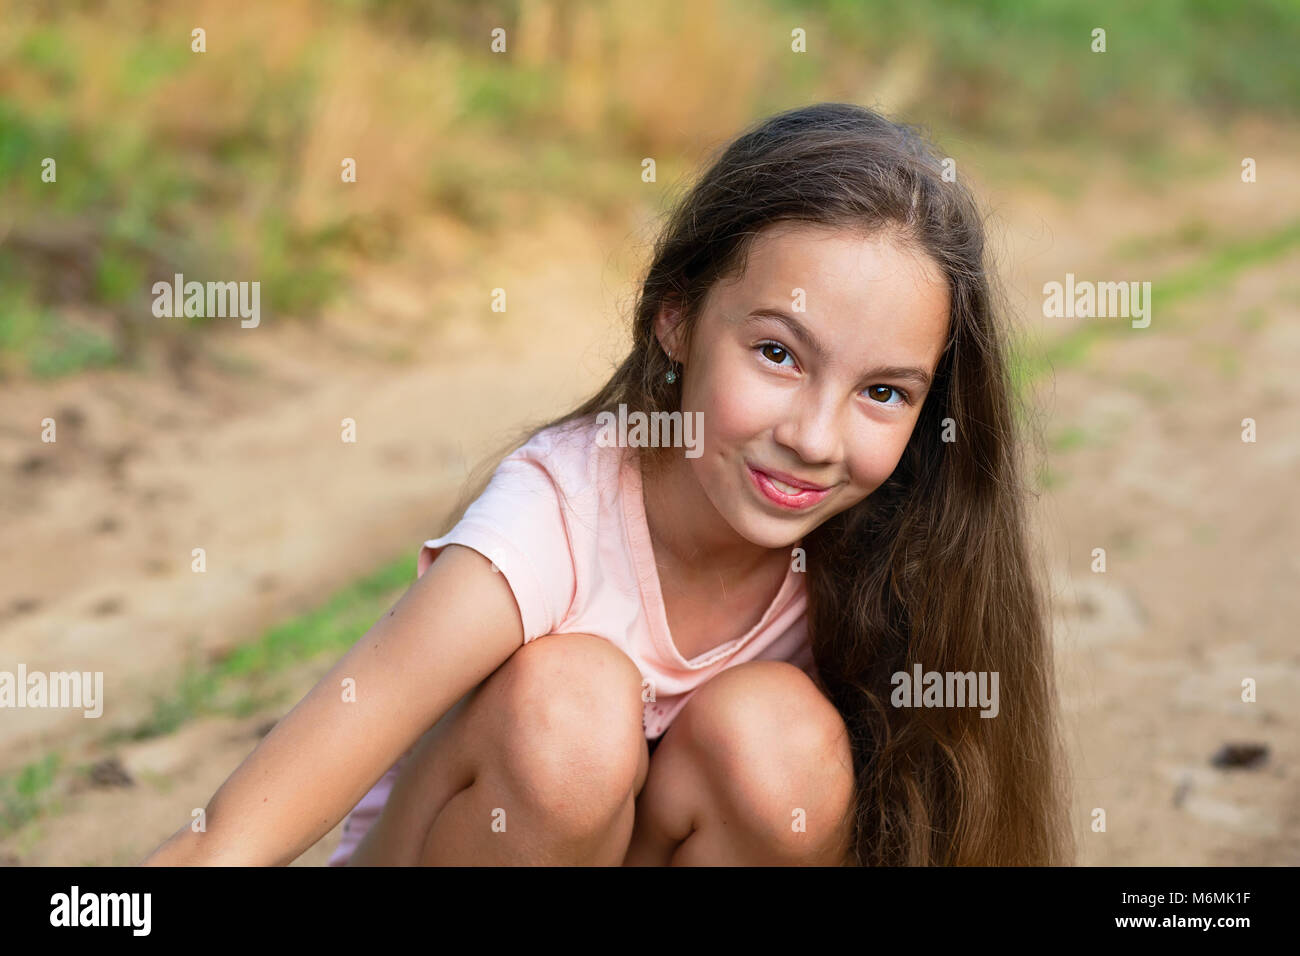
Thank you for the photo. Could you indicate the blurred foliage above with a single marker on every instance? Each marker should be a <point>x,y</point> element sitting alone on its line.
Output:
<point>244,680</point>
<point>1032,361</point>
<point>28,793</point>
<point>225,165</point>
<point>1025,67</point>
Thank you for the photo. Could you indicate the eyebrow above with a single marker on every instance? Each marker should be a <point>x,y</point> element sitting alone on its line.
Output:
<point>910,373</point>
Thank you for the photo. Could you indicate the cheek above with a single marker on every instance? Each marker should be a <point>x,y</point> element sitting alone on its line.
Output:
<point>876,454</point>
<point>733,413</point>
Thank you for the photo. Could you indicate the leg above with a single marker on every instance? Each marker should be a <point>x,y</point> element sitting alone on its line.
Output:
<point>755,770</point>
<point>540,764</point>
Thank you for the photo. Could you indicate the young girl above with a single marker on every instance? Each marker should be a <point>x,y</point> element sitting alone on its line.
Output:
<point>636,652</point>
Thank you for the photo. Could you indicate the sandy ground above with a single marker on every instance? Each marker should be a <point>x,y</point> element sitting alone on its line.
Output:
<point>240,454</point>
<point>99,527</point>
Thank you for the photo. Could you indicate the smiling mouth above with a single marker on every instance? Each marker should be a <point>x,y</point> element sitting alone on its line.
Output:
<point>784,494</point>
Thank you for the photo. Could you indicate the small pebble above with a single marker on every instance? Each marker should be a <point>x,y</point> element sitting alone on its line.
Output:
<point>110,773</point>
<point>1240,756</point>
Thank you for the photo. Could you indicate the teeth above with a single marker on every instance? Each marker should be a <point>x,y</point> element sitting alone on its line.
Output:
<point>788,489</point>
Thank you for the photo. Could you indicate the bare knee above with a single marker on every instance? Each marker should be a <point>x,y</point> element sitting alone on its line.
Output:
<point>776,752</point>
<point>571,728</point>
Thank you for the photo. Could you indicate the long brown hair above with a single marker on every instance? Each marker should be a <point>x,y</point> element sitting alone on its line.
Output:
<point>934,567</point>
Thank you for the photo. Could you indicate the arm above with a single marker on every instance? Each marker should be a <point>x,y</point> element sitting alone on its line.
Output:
<point>452,628</point>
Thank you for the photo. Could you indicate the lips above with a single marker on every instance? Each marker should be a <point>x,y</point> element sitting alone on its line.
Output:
<point>786,490</point>
<point>780,478</point>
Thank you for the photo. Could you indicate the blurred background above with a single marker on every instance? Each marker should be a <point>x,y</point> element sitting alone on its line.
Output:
<point>522,171</point>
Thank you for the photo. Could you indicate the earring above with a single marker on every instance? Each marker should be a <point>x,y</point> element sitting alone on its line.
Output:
<point>671,375</point>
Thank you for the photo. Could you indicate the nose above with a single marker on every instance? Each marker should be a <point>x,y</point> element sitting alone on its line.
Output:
<point>813,428</point>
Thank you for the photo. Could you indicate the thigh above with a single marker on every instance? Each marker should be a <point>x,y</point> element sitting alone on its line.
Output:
<point>422,786</point>
<point>448,756</point>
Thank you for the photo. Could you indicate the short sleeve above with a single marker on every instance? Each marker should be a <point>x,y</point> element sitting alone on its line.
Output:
<point>518,523</point>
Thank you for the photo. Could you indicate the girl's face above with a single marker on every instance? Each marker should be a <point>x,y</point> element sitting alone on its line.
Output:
<point>809,372</point>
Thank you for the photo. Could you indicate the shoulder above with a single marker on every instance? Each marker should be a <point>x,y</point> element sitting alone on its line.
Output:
<point>543,517</point>
<point>571,456</point>
<point>531,522</point>
<point>564,442</point>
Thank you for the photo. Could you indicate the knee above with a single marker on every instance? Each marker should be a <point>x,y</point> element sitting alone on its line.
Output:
<point>572,713</point>
<point>778,753</point>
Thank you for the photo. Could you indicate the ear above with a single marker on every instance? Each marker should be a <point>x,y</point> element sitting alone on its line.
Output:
<point>668,329</point>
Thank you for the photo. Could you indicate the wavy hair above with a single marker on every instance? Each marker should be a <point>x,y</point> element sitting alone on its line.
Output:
<point>934,567</point>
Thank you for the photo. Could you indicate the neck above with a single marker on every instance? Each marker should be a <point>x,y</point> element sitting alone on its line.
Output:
<point>689,535</point>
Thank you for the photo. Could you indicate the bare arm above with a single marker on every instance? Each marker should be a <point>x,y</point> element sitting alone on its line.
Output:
<point>450,630</point>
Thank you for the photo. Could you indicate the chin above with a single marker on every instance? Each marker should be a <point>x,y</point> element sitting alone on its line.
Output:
<point>766,533</point>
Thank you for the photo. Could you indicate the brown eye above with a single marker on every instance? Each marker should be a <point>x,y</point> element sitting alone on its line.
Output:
<point>878,392</point>
<point>773,353</point>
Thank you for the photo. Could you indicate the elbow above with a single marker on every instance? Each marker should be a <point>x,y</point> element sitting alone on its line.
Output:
<point>189,847</point>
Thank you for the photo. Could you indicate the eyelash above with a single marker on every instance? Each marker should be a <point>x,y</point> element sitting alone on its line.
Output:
<point>906,398</point>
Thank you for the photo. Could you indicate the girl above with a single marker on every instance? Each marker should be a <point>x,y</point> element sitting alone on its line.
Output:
<point>728,631</point>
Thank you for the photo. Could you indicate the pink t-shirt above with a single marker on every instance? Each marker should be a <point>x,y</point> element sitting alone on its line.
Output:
<point>563,518</point>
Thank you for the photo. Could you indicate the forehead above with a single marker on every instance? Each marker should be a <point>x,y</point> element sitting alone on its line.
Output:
<point>862,293</point>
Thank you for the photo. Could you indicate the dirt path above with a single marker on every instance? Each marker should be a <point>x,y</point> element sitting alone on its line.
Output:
<point>1198,591</point>
<point>97,532</point>
<point>95,552</point>
<point>1198,529</point>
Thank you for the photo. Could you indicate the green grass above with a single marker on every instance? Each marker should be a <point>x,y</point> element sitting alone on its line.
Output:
<point>28,793</point>
<point>1216,269</point>
<point>1224,263</point>
<point>1025,67</point>
<point>44,343</point>
<point>64,348</point>
<point>1069,438</point>
<point>238,684</point>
